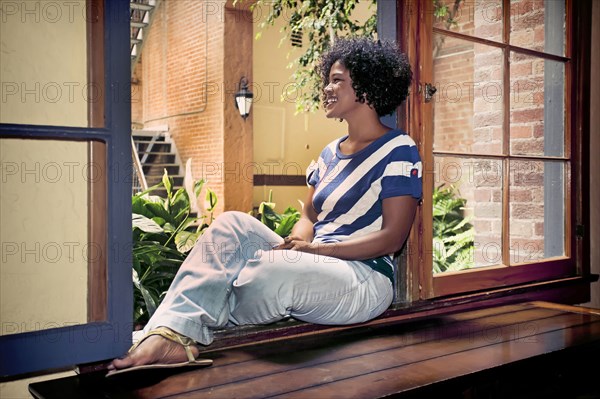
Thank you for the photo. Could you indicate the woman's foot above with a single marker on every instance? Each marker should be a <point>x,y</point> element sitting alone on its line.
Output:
<point>154,350</point>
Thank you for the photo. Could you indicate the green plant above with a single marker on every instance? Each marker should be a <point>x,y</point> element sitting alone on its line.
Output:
<point>453,234</point>
<point>280,223</point>
<point>164,231</point>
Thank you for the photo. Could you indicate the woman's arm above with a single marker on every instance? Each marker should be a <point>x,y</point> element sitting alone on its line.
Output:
<point>303,229</point>
<point>398,214</point>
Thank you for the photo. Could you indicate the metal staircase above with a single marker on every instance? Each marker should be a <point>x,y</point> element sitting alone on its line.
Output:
<point>153,153</point>
<point>140,13</point>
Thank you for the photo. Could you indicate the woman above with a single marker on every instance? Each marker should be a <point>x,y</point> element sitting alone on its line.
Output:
<point>335,266</point>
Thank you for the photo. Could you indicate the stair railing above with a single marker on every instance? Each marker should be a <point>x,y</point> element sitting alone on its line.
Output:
<point>153,141</point>
<point>147,9</point>
<point>139,179</point>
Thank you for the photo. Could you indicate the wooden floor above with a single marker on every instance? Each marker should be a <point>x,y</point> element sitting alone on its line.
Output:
<point>524,350</point>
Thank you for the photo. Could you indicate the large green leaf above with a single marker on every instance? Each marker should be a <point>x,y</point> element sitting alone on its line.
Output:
<point>137,206</point>
<point>198,187</point>
<point>287,223</point>
<point>160,211</point>
<point>168,183</point>
<point>185,240</point>
<point>180,206</point>
<point>211,199</point>
<point>145,224</point>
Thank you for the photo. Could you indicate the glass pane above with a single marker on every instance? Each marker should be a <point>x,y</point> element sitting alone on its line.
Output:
<point>481,18</point>
<point>467,213</point>
<point>537,212</point>
<point>537,106</point>
<point>538,25</point>
<point>43,68</point>
<point>468,104</point>
<point>44,230</point>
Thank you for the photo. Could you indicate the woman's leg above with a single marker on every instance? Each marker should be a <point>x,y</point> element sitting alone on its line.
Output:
<point>197,301</point>
<point>308,287</point>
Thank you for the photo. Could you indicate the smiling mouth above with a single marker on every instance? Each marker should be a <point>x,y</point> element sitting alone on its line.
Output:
<point>330,101</point>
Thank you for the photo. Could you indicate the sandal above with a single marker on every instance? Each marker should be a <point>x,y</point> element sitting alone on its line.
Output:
<point>171,335</point>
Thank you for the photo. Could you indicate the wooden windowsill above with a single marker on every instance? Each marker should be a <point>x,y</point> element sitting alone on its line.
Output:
<point>524,349</point>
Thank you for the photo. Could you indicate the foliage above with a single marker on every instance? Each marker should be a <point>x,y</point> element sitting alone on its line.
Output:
<point>164,231</point>
<point>443,12</point>
<point>446,15</point>
<point>281,224</point>
<point>453,234</point>
<point>320,22</point>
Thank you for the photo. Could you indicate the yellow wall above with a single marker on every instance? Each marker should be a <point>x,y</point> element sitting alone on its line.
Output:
<point>43,187</point>
<point>43,59</point>
<point>43,234</point>
<point>284,143</point>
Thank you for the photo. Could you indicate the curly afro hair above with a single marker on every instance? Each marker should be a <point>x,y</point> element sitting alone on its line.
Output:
<point>377,69</point>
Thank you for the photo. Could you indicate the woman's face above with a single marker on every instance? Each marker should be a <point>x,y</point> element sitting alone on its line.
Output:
<point>340,97</point>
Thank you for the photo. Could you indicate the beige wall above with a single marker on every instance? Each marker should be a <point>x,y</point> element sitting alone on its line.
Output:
<point>43,196</point>
<point>43,70</point>
<point>43,235</point>
<point>284,142</point>
<point>43,188</point>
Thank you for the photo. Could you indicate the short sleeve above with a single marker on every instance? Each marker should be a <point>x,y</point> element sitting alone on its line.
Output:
<point>312,174</point>
<point>403,173</point>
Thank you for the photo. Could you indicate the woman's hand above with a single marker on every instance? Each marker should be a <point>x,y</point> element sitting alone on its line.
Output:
<point>297,243</point>
<point>294,242</point>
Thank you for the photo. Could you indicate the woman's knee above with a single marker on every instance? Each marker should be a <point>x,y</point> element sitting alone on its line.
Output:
<point>263,271</point>
<point>232,218</point>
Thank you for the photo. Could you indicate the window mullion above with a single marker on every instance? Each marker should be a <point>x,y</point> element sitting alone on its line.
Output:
<point>506,134</point>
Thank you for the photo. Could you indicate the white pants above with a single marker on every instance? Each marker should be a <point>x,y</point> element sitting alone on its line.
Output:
<point>233,275</point>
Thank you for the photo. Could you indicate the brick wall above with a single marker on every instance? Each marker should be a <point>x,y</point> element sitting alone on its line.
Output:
<point>186,80</point>
<point>468,118</point>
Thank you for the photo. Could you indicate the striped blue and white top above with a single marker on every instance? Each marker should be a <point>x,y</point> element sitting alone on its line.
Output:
<point>349,189</point>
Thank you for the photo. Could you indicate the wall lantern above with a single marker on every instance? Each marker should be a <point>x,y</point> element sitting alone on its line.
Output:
<point>243,98</point>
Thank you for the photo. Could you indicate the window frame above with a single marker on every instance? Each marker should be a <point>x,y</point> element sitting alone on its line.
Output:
<point>417,35</point>
<point>110,301</point>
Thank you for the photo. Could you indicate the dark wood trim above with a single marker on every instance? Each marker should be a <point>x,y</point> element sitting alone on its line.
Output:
<point>580,122</point>
<point>417,273</point>
<point>97,172</point>
<point>499,157</point>
<point>279,180</point>
<point>408,258</point>
<point>570,184</point>
<point>95,62</point>
<point>505,46</point>
<point>505,234</point>
<point>9,130</point>
<point>425,110</point>
<point>97,232</point>
<point>489,278</point>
